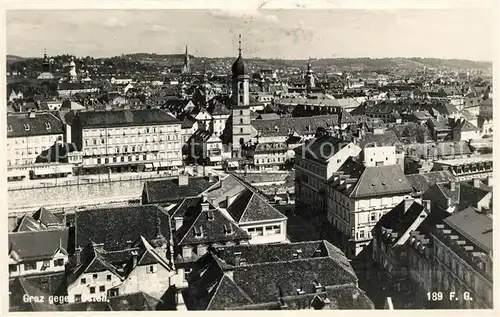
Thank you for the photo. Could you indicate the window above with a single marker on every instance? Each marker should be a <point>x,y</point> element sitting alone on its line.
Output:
<point>241,130</point>
<point>241,121</point>
<point>46,264</point>
<point>241,112</point>
<point>12,267</point>
<point>59,262</point>
<point>28,266</point>
<point>78,298</point>
<point>83,281</point>
<point>242,100</point>
<point>94,276</point>
<point>92,290</point>
<point>94,142</point>
<point>108,277</point>
<point>102,288</point>
<point>151,269</point>
<point>362,234</point>
<point>373,217</point>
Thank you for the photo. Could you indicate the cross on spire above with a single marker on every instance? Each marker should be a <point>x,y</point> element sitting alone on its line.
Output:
<point>239,45</point>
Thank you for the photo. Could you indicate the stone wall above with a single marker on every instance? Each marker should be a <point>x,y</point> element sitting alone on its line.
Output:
<point>82,194</point>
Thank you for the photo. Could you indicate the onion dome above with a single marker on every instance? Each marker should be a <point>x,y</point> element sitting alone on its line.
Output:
<point>239,67</point>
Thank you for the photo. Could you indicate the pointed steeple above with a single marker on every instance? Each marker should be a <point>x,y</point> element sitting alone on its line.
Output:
<point>239,45</point>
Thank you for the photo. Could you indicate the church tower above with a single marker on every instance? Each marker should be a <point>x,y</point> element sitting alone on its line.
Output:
<point>241,129</point>
<point>45,63</point>
<point>186,67</point>
<point>72,76</point>
<point>309,77</point>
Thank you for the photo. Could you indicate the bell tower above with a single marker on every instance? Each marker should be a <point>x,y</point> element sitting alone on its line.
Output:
<point>241,128</point>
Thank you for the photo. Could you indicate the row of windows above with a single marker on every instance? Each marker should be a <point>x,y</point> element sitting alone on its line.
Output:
<point>132,140</point>
<point>118,131</point>
<point>32,265</point>
<point>83,280</point>
<point>270,160</point>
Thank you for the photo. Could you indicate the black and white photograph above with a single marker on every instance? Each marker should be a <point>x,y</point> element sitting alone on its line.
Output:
<point>245,158</point>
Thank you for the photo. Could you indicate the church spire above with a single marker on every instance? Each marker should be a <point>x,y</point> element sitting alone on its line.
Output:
<point>239,45</point>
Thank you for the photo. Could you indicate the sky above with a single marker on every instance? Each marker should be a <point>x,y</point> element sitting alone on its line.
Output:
<point>285,34</point>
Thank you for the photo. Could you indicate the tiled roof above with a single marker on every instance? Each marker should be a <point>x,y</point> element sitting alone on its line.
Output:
<point>439,149</point>
<point>51,284</point>
<point>170,191</point>
<point>22,125</point>
<point>422,182</point>
<point>27,223</point>
<point>46,217</point>
<point>31,245</point>
<point>250,206</point>
<point>321,148</point>
<point>133,302</point>
<point>125,117</point>
<point>374,181</point>
<point>261,148</point>
<point>230,186</point>
<point>392,226</point>
<point>475,226</point>
<point>388,138</point>
<point>263,283</point>
<point>115,226</point>
<point>286,126</point>
<point>464,126</point>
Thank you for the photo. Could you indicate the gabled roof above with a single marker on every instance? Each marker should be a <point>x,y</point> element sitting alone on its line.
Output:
<point>115,226</point>
<point>170,191</point>
<point>321,148</point>
<point>230,187</point>
<point>263,283</point>
<point>37,245</point>
<point>92,260</point>
<point>250,207</point>
<point>27,223</point>
<point>387,138</point>
<point>51,284</point>
<point>422,182</point>
<point>213,225</point>
<point>394,227</point>
<point>46,217</point>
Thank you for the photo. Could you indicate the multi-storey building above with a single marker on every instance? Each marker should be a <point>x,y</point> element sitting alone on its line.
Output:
<point>463,248</point>
<point>28,135</point>
<point>359,196</point>
<point>315,164</point>
<point>128,140</point>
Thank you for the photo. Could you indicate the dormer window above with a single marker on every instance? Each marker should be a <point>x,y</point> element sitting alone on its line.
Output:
<point>47,126</point>
<point>300,291</point>
<point>9,128</point>
<point>228,229</point>
<point>210,215</point>
<point>198,233</point>
<point>26,127</point>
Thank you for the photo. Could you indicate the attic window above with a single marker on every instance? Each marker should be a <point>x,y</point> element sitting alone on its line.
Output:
<point>198,232</point>
<point>210,215</point>
<point>228,229</point>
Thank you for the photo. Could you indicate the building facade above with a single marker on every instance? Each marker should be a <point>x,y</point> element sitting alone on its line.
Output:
<point>127,140</point>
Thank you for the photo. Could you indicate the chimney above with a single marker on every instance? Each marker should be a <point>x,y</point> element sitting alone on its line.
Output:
<point>452,185</point>
<point>32,114</point>
<point>299,253</point>
<point>408,201</point>
<point>477,182</point>
<point>129,244</point>
<point>205,206</point>
<point>134,258</point>
<point>427,205</point>
<point>237,258</point>
<point>178,222</point>
<point>78,258</point>
<point>183,180</point>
